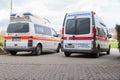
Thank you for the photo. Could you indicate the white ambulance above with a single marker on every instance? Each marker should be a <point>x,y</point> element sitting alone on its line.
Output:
<point>27,32</point>
<point>84,32</point>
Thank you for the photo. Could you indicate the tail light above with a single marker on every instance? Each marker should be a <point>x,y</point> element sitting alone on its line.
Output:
<point>93,31</point>
<point>30,39</point>
<point>62,33</point>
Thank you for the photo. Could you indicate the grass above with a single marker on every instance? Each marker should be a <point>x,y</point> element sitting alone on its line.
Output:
<point>1,40</point>
<point>114,44</point>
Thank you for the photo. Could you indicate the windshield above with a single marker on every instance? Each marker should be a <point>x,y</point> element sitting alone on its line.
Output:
<point>18,28</point>
<point>78,26</point>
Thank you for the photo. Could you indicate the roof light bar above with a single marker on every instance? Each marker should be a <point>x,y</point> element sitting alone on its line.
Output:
<point>12,15</point>
<point>28,14</point>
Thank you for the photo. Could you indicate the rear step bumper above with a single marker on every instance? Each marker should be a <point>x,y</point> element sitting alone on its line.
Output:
<point>20,49</point>
<point>79,51</point>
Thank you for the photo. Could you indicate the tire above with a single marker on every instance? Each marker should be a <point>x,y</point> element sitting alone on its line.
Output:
<point>67,54</point>
<point>58,49</point>
<point>13,52</point>
<point>97,54</point>
<point>38,50</point>
<point>108,52</point>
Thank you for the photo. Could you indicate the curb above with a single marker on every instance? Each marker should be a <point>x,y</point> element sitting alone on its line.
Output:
<point>2,52</point>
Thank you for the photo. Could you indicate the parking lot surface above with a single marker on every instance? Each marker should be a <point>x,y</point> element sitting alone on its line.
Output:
<point>55,66</point>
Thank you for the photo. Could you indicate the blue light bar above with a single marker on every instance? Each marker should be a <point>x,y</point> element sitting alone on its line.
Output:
<point>12,15</point>
<point>27,14</point>
<point>82,14</point>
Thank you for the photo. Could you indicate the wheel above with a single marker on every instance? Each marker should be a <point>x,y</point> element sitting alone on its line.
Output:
<point>67,54</point>
<point>97,54</point>
<point>108,52</point>
<point>13,52</point>
<point>38,50</point>
<point>58,49</point>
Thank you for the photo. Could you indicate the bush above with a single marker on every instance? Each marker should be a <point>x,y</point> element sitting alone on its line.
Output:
<point>114,44</point>
<point>1,43</point>
<point>118,35</point>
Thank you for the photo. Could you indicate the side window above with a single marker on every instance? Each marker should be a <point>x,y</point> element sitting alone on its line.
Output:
<point>102,32</point>
<point>98,32</point>
<point>106,32</point>
<point>47,31</point>
<point>54,33</point>
<point>36,28</point>
<point>39,29</point>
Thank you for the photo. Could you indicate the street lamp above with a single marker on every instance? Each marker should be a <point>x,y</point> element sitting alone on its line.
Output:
<point>10,6</point>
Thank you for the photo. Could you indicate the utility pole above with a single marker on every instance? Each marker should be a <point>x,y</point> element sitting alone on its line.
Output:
<point>10,6</point>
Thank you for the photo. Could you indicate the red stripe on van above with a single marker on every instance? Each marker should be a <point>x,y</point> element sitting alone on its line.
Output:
<point>81,38</point>
<point>64,38</point>
<point>78,38</point>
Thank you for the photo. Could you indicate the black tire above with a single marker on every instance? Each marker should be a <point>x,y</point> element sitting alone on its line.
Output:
<point>108,52</point>
<point>38,50</point>
<point>13,52</point>
<point>67,54</point>
<point>97,54</point>
<point>58,48</point>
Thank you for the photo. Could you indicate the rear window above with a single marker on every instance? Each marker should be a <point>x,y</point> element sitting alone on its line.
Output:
<point>83,26</point>
<point>78,26</point>
<point>18,28</point>
<point>70,26</point>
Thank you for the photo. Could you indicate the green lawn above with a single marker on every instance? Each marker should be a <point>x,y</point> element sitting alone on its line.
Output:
<point>114,45</point>
<point>1,40</point>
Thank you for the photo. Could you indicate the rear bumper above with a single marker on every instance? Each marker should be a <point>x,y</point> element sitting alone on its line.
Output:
<point>79,51</point>
<point>20,49</point>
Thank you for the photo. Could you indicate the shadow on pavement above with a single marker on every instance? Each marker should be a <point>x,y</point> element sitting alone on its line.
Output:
<point>85,55</point>
<point>30,54</point>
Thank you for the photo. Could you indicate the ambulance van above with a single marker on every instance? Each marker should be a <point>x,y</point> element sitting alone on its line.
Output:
<point>27,32</point>
<point>84,32</point>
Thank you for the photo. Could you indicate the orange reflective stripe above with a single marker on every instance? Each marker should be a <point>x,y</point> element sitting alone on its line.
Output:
<point>24,37</point>
<point>33,38</point>
<point>8,37</point>
<point>46,39</point>
<point>101,39</point>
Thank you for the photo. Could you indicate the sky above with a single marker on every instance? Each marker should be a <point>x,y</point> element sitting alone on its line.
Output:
<point>55,10</point>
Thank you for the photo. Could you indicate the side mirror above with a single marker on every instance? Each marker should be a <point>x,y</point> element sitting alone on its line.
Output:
<point>109,36</point>
<point>56,35</point>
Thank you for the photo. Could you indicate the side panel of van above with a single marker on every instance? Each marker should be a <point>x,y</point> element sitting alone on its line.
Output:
<point>101,34</point>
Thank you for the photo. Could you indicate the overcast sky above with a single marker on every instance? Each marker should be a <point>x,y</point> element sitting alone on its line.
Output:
<point>54,10</point>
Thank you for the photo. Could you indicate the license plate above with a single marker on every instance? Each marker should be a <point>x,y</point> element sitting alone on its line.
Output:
<point>16,39</point>
<point>69,46</point>
<point>82,46</point>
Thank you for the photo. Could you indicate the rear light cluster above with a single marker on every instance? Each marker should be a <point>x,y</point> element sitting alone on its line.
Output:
<point>30,39</point>
<point>62,33</point>
<point>93,31</point>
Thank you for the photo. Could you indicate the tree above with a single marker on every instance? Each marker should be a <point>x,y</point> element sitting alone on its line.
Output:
<point>118,35</point>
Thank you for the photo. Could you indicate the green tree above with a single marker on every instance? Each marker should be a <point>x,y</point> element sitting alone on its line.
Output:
<point>118,35</point>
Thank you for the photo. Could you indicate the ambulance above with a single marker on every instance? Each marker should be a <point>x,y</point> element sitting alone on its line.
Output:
<point>28,32</point>
<point>84,32</point>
